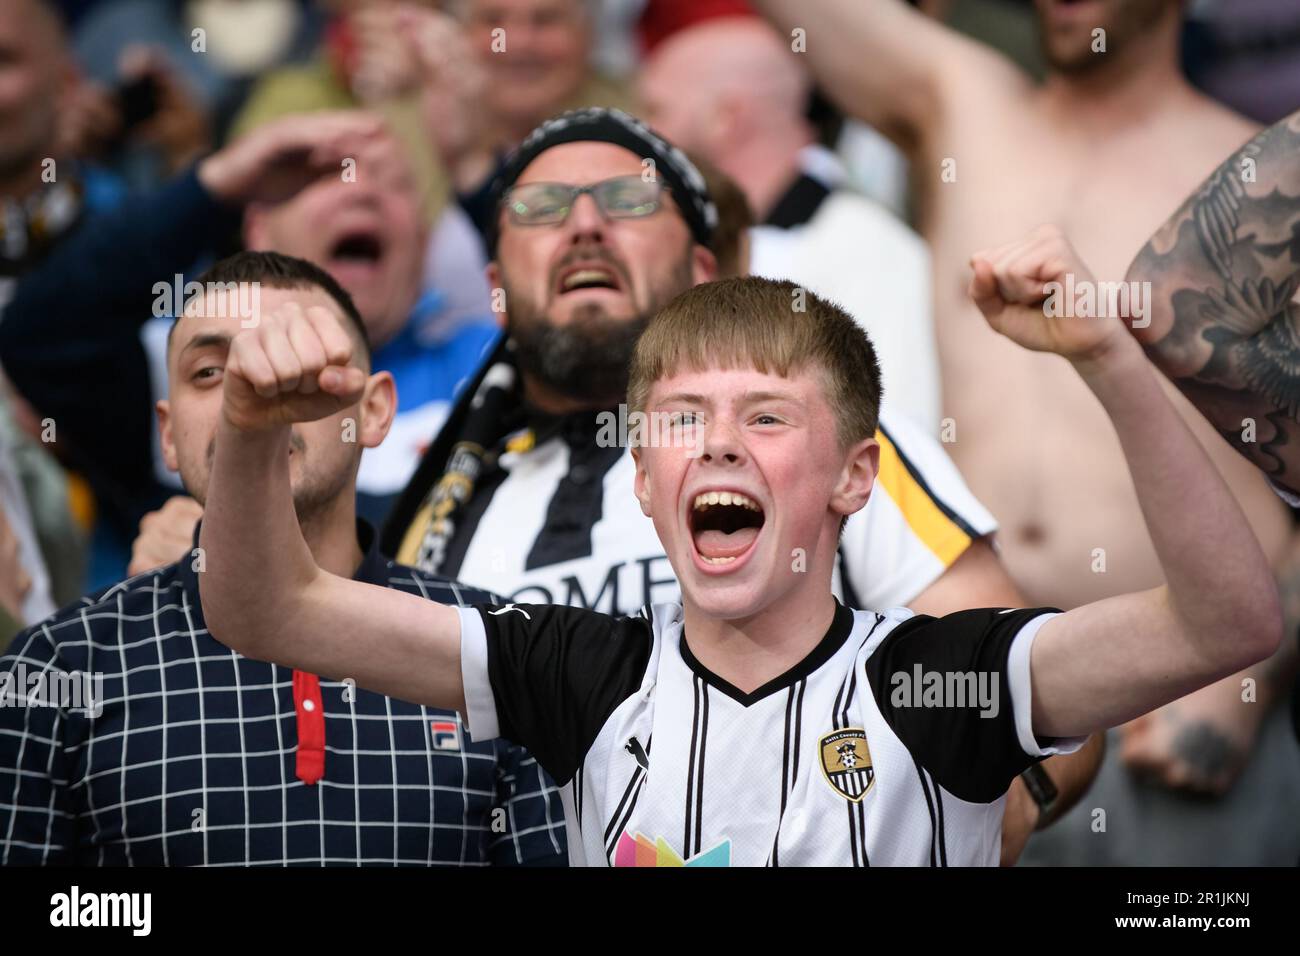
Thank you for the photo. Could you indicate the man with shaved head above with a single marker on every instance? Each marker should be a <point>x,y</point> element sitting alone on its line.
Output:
<point>730,90</point>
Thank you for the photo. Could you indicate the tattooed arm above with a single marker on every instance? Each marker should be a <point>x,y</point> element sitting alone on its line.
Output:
<point>1221,322</point>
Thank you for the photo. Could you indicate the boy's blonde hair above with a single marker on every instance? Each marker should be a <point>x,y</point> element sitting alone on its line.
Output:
<point>775,327</point>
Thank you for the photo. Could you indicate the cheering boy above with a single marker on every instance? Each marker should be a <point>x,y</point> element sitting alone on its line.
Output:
<point>759,721</point>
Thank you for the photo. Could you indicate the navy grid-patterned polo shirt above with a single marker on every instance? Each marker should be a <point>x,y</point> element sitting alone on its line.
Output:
<point>129,736</point>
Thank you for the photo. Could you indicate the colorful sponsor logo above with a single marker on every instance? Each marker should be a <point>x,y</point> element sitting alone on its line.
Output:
<point>642,851</point>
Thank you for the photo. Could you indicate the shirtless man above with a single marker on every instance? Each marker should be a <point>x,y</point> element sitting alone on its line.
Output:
<point>1105,147</point>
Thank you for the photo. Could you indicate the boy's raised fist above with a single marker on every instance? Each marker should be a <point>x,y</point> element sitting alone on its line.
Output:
<point>1013,287</point>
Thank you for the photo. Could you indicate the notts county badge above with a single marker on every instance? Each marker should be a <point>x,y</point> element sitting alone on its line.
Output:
<point>846,762</point>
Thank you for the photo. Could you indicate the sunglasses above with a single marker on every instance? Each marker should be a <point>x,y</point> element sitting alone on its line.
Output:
<point>549,204</point>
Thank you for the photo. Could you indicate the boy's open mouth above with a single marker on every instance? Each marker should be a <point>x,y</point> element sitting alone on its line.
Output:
<point>724,526</point>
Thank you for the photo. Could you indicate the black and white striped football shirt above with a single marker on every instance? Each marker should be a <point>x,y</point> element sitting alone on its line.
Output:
<point>854,757</point>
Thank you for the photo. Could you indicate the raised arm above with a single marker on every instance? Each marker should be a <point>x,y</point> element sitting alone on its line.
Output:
<point>70,334</point>
<point>262,591</point>
<point>1107,662</point>
<point>879,60</point>
<point>1223,271</point>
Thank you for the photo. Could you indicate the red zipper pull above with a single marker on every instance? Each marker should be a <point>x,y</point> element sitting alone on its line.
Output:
<point>310,709</point>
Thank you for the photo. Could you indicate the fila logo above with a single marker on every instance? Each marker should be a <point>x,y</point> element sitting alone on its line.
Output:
<point>446,735</point>
<point>511,607</point>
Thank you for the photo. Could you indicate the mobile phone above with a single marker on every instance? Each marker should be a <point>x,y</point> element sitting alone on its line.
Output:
<point>137,100</point>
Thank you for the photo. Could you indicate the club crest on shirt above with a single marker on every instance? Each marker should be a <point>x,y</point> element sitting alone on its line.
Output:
<point>846,762</point>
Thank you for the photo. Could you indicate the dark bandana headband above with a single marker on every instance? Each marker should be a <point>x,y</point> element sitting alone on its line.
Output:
<point>599,125</point>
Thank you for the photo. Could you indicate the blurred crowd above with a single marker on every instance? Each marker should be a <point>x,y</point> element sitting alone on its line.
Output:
<point>141,141</point>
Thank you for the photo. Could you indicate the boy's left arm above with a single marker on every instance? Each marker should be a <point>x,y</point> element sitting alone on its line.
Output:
<point>1104,663</point>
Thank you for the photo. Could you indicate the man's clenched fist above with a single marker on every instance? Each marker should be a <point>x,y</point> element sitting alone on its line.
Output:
<point>293,366</point>
<point>1011,286</point>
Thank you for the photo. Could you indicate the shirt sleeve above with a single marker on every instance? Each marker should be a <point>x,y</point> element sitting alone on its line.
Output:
<point>548,676</point>
<point>37,813</point>
<point>956,690</point>
<point>920,519</point>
